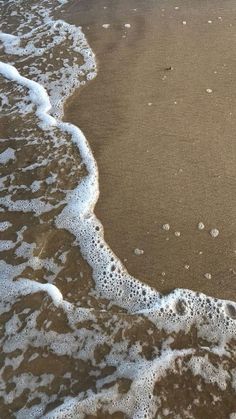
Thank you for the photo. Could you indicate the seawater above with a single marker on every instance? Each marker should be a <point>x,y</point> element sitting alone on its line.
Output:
<point>80,336</point>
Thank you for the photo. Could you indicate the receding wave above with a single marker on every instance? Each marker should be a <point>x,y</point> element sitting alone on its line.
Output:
<point>80,336</point>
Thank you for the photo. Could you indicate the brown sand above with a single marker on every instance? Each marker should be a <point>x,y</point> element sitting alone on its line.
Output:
<point>161,163</point>
<point>172,161</point>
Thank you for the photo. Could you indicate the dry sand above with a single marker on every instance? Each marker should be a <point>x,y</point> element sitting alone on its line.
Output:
<point>164,143</point>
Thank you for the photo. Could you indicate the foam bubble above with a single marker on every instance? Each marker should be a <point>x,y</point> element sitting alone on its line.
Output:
<point>178,311</point>
<point>211,374</point>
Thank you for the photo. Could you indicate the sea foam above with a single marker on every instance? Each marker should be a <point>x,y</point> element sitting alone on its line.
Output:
<point>179,311</point>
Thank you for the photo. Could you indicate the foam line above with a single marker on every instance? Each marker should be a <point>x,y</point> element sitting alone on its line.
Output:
<point>178,310</point>
<point>79,219</point>
<point>37,93</point>
<point>214,319</point>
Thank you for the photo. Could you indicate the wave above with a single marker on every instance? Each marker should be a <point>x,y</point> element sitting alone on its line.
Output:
<point>44,66</point>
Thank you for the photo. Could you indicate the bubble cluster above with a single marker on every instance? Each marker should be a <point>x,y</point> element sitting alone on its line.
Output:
<point>38,80</point>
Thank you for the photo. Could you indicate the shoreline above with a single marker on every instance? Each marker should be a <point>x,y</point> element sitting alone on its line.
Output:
<point>80,335</point>
<point>128,208</point>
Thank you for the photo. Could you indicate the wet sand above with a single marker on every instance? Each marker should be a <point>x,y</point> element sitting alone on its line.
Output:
<point>165,150</point>
<point>164,142</point>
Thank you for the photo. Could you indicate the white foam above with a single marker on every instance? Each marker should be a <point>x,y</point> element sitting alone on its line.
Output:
<point>203,367</point>
<point>25,249</point>
<point>4,225</point>
<point>37,93</point>
<point>4,101</point>
<point>68,77</point>
<point>78,218</point>
<point>35,186</point>
<point>179,310</point>
<point>7,155</point>
<point>78,215</point>
<point>6,245</point>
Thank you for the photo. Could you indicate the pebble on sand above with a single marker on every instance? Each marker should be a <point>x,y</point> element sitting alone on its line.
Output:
<point>138,252</point>
<point>207,275</point>
<point>106,25</point>
<point>177,233</point>
<point>200,226</point>
<point>209,90</point>
<point>127,25</point>
<point>214,232</point>
<point>166,227</point>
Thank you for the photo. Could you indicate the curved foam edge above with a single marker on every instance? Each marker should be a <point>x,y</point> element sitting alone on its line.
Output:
<point>69,78</point>
<point>78,218</point>
<point>176,311</point>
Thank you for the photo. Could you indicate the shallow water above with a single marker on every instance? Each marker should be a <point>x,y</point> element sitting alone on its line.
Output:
<point>81,337</point>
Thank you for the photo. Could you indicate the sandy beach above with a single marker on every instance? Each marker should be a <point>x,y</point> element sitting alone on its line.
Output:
<point>160,118</point>
<point>143,92</point>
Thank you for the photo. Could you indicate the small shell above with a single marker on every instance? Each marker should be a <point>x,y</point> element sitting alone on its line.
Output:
<point>138,252</point>
<point>200,226</point>
<point>214,232</point>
